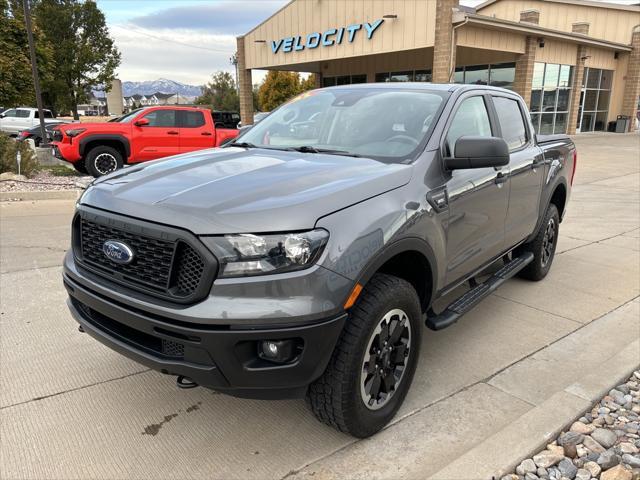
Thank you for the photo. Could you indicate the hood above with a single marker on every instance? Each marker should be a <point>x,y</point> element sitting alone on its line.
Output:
<point>233,190</point>
<point>95,126</point>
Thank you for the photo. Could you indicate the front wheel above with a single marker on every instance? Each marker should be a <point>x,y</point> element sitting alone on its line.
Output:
<point>102,160</point>
<point>374,361</point>
<point>543,246</point>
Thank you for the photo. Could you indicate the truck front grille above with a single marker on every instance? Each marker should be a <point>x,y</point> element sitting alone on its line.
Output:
<point>163,265</point>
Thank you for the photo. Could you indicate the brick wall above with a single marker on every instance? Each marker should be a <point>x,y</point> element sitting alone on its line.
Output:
<point>580,27</point>
<point>576,89</point>
<point>530,16</point>
<point>632,83</point>
<point>443,54</point>
<point>245,86</point>
<point>524,69</point>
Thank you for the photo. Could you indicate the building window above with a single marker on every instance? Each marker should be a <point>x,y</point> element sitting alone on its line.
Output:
<point>550,95</point>
<point>498,75</point>
<point>594,100</point>
<point>343,80</point>
<point>407,76</point>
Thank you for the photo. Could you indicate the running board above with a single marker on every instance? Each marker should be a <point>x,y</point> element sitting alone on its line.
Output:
<point>470,299</point>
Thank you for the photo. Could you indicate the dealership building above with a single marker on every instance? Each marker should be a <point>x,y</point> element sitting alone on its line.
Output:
<point>575,62</point>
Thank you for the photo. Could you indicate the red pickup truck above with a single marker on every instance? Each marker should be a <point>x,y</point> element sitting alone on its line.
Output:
<point>144,134</point>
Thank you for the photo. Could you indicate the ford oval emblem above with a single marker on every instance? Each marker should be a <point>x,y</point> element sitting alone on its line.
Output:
<point>118,252</point>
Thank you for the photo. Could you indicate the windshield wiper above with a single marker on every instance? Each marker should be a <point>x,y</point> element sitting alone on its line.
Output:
<point>328,151</point>
<point>241,145</point>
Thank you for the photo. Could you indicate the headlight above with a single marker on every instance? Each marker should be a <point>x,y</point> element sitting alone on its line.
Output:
<point>246,254</point>
<point>74,132</point>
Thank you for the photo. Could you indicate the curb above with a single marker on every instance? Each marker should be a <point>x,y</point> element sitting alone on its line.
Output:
<point>40,195</point>
<point>490,459</point>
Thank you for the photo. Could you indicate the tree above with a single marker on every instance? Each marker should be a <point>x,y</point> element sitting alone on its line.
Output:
<point>277,88</point>
<point>85,56</point>
<point>16,80</point>
<point>220,93</point>
<point>309,83</point>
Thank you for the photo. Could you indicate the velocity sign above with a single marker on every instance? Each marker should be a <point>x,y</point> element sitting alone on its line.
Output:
<point>333,36</point>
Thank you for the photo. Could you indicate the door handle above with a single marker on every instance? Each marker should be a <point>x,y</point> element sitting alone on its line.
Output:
<point>172,132</point>
<point>208,134</point>
<point>501,178</point>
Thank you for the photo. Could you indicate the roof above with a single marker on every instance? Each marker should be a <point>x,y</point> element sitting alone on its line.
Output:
<point>584,3</point>
<point>500,24</point>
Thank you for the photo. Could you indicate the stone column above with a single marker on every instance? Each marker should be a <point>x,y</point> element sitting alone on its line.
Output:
<point>632,85</point>
<point>245,85</point>
<point>524,69</point>
<point>444,49</point>
<point>530,16</point>
<point>576,89</point>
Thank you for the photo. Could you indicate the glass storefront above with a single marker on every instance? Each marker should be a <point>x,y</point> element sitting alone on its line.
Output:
<point>408,76</point>
<point>594,100</point>
<point>497,75</point>
<point>343,80</point>
<point>550,96</point>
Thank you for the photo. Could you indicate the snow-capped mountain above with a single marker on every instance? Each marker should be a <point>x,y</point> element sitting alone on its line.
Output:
<point>162,85</point>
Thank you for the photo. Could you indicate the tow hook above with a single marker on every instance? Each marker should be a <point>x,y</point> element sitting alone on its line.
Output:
<point>185,382</point>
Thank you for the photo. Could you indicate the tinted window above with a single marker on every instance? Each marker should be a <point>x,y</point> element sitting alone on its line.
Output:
<point>471,119</point>
<point>511,123</point>
<point>47,114</point>
<point>161,118</point>
<point>192,119</point>
<point>9,113</point>
<point>22,113</point>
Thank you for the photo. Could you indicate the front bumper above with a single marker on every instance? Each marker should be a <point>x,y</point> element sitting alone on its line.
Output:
<point>65,151</point>
<point>221,357</point>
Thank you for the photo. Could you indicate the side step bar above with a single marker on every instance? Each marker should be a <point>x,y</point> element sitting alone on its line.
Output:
<point>470,299</point>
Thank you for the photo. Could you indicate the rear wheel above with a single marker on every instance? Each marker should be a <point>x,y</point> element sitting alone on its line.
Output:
<point>374,361</point>
<point>543,246</point>
<point>102,160</point>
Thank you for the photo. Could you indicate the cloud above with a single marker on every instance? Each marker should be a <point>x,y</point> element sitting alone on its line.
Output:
<point>223,17</point>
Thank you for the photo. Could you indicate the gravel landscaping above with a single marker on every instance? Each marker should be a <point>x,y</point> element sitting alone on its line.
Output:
<point>603,444</point>
<point>42,181</point>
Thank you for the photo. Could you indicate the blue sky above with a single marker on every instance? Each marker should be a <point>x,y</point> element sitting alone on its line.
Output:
<point>184,40</point>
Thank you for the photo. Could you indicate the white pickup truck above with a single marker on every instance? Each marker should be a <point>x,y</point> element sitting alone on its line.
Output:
<point>14,120</point>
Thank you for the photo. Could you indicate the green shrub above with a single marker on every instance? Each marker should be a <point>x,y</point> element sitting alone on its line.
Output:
<point>8,150</point>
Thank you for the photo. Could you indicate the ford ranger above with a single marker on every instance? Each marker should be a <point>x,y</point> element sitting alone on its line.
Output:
<point>142,135</point>
<point>305,257</point>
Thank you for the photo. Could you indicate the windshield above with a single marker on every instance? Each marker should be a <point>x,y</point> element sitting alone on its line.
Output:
<point>128,117</point>
<point>388,125</point>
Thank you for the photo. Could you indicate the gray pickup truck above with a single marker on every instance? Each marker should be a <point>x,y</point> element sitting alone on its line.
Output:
<point>305,258</point>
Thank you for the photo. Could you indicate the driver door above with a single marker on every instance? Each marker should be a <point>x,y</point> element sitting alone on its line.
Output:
<point>160,138</point>
<point>478,197</point>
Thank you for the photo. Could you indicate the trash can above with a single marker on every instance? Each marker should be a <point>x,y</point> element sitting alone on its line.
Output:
<point>622,123</point>
<point>611,126</point>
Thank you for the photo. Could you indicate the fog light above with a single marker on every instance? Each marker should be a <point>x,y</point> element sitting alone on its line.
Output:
<point>277,351</point>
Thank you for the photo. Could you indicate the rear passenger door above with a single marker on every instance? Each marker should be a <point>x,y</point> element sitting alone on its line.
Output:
<point>526,168</point>
<point>478,197</point>
<point>195,133</point>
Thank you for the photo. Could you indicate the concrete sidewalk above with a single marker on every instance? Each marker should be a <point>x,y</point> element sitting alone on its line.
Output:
<point>488,391</point>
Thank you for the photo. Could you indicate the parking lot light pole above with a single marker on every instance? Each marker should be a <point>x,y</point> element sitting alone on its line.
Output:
<point>34,67</point>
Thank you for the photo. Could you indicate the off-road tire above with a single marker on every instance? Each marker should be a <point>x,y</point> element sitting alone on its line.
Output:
<point>335,398</point>
<point>539,268</point>
<point>94,157</point>
<point>80,168</point>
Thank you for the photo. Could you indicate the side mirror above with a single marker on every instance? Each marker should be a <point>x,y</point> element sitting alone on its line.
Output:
<point>478,152</point>
<point>1,115</point>
<point>141,122</point>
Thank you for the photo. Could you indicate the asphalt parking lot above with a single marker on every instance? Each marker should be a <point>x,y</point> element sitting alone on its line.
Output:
<point>71,408</point>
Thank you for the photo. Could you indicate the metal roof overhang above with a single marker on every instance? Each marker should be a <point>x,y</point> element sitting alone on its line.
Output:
<point>531,29</point>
